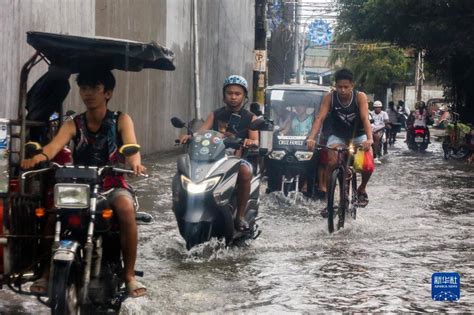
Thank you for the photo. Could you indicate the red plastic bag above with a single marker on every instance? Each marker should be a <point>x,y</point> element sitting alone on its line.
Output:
<point>368,165</point>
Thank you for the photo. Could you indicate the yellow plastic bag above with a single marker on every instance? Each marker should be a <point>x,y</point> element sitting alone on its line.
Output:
<point>359,161</point>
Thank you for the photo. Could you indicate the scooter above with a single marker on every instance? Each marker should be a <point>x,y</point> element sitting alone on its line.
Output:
<point>418,138</point>
<point>204,189</point>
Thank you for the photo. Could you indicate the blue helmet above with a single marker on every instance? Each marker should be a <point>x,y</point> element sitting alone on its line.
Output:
<point>238,80</point>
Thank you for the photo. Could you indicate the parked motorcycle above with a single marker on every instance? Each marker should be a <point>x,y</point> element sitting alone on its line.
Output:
<point>204,189</point>
<point>86,266</point>
<point>458,141</point>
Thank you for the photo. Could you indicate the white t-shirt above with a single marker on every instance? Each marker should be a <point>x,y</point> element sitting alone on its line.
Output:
<point>379,120</point>
<point>420,119</point>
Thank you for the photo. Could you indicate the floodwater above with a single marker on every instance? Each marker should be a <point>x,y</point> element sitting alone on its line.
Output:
<point>419,221</point>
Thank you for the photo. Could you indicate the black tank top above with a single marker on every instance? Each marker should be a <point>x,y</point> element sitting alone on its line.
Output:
<point>346,121</point>
<point>221,120</point>
<point>97,148</point>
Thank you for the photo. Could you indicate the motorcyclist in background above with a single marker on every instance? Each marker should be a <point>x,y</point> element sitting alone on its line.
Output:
<point>393,119</point>
<point>419,118</point>
<point>381,122</point>
<point>403,112</point>
<point>235,92</point>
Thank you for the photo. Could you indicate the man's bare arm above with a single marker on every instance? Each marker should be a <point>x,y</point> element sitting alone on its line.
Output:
<point>64,135</point>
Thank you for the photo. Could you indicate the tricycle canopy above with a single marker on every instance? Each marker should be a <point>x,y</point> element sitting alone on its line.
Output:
<point>75,52</point>
<point>283,103</point>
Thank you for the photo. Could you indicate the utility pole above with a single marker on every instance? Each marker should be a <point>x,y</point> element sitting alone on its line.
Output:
<point>419,75</point>
<point>296,64</point>
<point>260,62</point>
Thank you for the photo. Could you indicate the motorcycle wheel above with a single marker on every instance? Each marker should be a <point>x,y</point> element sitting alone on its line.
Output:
<point>336,200</point>
<point>195,234</point>
<point>460,153</point>
<point>65,291</point>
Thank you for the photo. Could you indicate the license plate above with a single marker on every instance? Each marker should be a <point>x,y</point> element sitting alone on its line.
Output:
<point>418,139</point>
<point>290,142</point>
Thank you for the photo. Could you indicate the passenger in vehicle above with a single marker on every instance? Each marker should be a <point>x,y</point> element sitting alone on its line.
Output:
<point>301,122</point>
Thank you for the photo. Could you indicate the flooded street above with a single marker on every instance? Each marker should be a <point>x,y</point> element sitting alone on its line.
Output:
<point>419,221</point>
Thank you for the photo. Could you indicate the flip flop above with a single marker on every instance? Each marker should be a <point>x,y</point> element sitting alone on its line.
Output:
<point>40,286</point>
<point>135,289</point>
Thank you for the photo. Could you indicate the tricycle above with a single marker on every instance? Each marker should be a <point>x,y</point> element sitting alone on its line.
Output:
<point>82,253</point>
<point>289,166</point>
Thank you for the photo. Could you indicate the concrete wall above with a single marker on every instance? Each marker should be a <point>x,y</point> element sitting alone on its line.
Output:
<point>408,94</point>
<point>151,97</point>
<point>19,16</point>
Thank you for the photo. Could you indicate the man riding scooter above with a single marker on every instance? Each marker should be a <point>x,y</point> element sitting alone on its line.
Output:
<point>381,122</point>
<point>97,134</point>
<point>235,92</point>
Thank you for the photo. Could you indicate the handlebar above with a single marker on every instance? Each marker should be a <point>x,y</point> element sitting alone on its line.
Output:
<point>100,170</point>
<point>347,148</point>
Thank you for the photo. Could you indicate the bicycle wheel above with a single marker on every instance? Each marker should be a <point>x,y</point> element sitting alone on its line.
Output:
<point>336,200</point>
<point>352,195</point>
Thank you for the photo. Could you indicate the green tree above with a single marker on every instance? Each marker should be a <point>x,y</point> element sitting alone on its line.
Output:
<point>443,28</point>
<point>375,70</point>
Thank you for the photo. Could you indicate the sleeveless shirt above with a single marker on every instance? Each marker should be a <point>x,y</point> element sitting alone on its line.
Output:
<point>221,120</point>
<point>99,148</point>
<point>346,121</point>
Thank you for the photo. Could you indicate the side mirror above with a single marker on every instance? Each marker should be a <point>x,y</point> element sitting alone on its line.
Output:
<point>257,124</point>
<point>177,123</point>
<point>129,149</point>
<point>261,123</point>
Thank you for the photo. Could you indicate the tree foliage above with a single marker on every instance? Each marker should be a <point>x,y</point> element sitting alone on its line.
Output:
<point>375,70</point>
<point>443,28</point>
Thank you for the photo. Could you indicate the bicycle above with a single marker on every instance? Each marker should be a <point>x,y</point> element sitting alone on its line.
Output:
<point>342,187</point>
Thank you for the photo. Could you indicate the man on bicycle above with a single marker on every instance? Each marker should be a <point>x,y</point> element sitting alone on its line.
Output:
<point>350,124</point>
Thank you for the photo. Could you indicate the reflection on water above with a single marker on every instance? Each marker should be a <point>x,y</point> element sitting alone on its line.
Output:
<point>419,221</point>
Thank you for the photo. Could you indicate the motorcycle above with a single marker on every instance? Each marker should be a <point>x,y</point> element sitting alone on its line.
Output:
<point>418,138</point>
<point>382,148</point>
<point>458,141</point>
<point>86,265</point>
<point>204,189</point>
<point>84,275</point>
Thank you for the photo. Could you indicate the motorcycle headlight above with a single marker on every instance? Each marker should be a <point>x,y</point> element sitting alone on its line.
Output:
<point>303,155</point>
<point>75,196</point>
<point>277,154</point>
<point>197,188</point>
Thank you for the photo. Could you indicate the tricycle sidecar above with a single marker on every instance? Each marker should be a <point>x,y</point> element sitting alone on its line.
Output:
<point>25,204</point>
